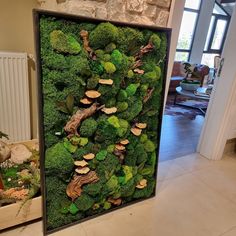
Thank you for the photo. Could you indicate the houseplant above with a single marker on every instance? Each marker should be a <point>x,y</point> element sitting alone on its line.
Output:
<point>190,82</point>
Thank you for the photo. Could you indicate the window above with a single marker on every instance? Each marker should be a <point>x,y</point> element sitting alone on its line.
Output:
<point>193,4</point>
<point>187,29</point>
<point>216,35</point>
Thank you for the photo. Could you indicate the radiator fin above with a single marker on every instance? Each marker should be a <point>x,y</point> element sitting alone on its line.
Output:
<point>14,96</point>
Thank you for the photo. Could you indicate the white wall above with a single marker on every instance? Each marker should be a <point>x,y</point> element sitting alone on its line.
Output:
<point>176,14</point>
<point>220,115</point>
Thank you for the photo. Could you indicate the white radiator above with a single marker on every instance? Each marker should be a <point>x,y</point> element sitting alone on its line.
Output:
<point>14,96</point>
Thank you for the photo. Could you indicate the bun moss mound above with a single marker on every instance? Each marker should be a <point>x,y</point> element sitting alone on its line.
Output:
<point>103,34</point>
<point>102,87</point>
<point>58,161</point>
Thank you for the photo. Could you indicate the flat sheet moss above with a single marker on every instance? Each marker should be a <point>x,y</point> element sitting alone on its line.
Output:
<point>77,57</point>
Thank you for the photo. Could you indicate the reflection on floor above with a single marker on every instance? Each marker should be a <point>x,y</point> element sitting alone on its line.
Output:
<point>195,197</point>
<point>180,136</point>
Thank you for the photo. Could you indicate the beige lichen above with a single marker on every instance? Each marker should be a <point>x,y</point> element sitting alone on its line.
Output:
<point>86,101</point>
<point>136,131</point>
<point>82,170</point>
<point>92,94</point>
<point>89,156</point>
<point>141,125</point>
<point>110,110</point>
<point>82,163</point>
<point>120,147</point>
<point>124,142</point>
<point>106,81</point>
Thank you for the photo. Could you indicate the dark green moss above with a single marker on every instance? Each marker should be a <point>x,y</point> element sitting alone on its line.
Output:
<point>69,70</point>
<point>88,127</point>
<point>84,202</point>
<point>102,35</point>
<point>58,161</point>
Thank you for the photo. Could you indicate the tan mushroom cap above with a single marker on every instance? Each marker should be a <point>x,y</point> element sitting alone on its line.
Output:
<point>141,72</point>
<point>106,81</point>
<point>82,170</point>
<point>92,94</point>
<point>143,182</point>
<point>86,101</point>
<point>136,131</point>
<point>120,147</point>
<point>110,110</point>
<point>124,142</point>
<point>141,125</point>
<point>140,186</point>
<point>82,163</point>
<point>89,156</point>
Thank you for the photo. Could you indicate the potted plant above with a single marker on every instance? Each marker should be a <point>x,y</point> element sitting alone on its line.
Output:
<point>189,83</point>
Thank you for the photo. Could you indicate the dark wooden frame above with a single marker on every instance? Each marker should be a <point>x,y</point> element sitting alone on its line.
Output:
<point>36,16</point>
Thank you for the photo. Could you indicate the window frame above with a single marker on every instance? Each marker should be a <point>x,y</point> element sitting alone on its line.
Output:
<point>227,18</point>
<point>197,11</point>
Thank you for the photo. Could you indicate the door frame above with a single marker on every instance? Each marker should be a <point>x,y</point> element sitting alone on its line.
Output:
<point>221,110</point>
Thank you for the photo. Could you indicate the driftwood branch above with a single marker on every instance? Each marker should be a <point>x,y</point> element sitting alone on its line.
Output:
<point>148,95</point>
<point>74,188</point>
<point>143,50</point>
<point>85,36</point>
<point>75,121</point>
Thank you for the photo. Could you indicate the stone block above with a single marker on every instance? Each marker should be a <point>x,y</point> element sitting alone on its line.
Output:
<point>116,10</point>
<point>135,6</point>
<point>99,0</point>
<point>160,3</point>
<point>78,9</point>
<point>150,11</point>
<point>162,18</point>
<point>101,12</point>
<point>60,1</point>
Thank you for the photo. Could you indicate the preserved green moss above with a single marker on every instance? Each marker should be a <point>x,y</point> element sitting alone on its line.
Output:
<point>69,70</point>
<point>58,161</point>
<point>103,34</point>
<point>64,43</point>
<point>88,127</point>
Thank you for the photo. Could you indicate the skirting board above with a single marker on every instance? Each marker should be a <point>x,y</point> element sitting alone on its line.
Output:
<point>30,211</point>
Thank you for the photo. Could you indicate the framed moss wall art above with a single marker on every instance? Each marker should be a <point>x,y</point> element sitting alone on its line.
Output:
<point>101,91</point>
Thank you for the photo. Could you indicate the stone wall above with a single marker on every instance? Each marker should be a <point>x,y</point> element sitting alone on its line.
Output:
<point>150,12</point>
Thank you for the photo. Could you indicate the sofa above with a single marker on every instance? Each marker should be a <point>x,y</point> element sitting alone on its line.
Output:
<point>178,74</point>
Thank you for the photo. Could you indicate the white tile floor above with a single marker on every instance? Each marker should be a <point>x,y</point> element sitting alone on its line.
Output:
<point>195,197</point>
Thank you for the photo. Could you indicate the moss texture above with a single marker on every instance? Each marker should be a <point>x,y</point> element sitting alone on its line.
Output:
<point>69,70</point>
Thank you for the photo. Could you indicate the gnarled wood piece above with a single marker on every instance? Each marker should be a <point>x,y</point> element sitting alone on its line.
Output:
<point>85,35</point>
<point>75,121</point>
<point>143,50</point>
<point>74,188</point>
<point>115,202</point>
<point>148,96</point>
